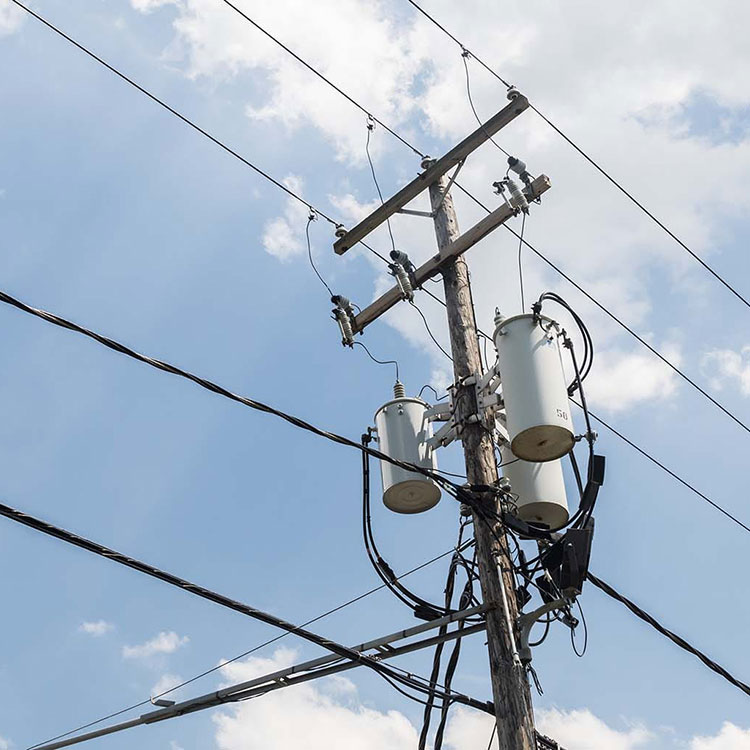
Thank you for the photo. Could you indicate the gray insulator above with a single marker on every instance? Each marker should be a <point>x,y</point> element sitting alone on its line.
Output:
<point>345,325</point>
<point>516,165</point>
<point>517,198</point>
<point>403,281</point>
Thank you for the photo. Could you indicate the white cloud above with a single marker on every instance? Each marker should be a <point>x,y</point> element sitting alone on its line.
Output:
<point>325,717</point>
<point>726,365</point>
<point>631,110</point>
<point>174,746</point>
<point>4,744</point>
<point>163,643</point>
<point>166,682</point>
<point>622,380</point>
<point>730,737</point>
<point>284,236</point>
<point>97,628</point>
<point>148,6</point>
<point>581,730</point>
<point>10,19</point>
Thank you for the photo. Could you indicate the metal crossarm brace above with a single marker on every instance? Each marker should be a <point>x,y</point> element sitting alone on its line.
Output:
<point>313,669</point>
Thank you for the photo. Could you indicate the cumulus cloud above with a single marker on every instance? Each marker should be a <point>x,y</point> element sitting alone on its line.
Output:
<point>728,366</point>
<point>621,380</point>
<point>325,717</point>
<point>633,110</point>
<point>581,730</point>
<point>97,628</point>
<point>165,642</point>
<point>10,19</point>
<point>730,737</point>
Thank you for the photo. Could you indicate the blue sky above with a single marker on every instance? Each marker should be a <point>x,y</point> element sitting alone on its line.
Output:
<point>119,217</point>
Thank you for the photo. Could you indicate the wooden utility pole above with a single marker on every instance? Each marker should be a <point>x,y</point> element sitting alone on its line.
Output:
<point>510,688</point>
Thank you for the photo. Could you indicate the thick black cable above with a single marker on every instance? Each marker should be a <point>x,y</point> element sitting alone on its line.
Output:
<point>676,639</point>
<point>322,77</point>
<point>666,469</point>
<point>590,160</point>
<point>224,662</point>
<point>450,487</point>
<point>205,593</point>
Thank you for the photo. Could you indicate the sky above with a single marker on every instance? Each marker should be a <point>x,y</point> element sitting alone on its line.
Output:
<point>117,215</point>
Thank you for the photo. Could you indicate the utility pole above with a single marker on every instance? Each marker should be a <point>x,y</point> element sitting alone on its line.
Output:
<point>510,688</point>
<point>470,421</point>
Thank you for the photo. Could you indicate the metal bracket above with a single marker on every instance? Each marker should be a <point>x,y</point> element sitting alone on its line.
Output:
<point>444,436</point>
<point>526,622</point>
<point>411,212</point>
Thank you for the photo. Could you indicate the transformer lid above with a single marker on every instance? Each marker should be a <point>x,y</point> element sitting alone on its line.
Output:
<point>412,496</point>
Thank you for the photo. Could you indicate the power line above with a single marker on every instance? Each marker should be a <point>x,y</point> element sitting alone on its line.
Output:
<point>173,111</point>
<point>669,471</point>
<point>522,241</point>
<point>246,653</point>
<point>450,487</point>
<point>332,221</point>
<point>676,639</point>
<point>589,159</point>
<point>612,316</point>
<point>317,73</point>
<point>213,596</point>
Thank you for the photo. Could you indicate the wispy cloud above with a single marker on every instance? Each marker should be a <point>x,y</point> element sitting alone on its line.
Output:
<point>96,628</point>
<point>166,642</point>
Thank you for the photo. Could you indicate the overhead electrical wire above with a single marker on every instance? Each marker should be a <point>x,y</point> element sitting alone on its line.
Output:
<point>306,203</point>
<point>370,128</point>
<point>379,361</point>
<point>586,156</point>
<point>317,73</point>
<point>310,220</point>
<point>617,320</point>
<point>372,250</point>
<point>667,470</point>
<point>464,55</point>
<point>429,332</point>
<point>258,647</point>
<point>676,639</point>
<point>205,593</point>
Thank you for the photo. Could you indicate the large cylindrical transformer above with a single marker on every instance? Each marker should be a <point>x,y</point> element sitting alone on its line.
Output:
<point>538,489</point>
<point>403,431</point>
<point>533,385</point>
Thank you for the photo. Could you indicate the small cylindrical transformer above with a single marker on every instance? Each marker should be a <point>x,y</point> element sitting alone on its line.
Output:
<point>533,387</point>
<point>538,489</point>
<point>403,432</point>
